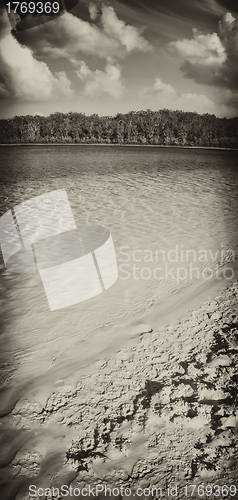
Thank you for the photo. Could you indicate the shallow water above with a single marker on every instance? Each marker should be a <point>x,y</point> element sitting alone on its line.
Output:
<point>153,201</point>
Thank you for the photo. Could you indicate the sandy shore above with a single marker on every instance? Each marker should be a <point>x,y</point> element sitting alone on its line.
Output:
<point>113,145</point>
<point>157,412</point>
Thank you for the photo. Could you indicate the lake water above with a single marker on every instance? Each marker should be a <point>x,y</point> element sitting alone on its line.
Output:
<point>157,203</point>
<point>153,200</point>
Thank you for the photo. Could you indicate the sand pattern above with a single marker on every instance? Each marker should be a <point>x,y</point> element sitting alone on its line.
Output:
<point>162,412</point>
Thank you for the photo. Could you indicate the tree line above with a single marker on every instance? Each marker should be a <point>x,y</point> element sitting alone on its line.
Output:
<point>164,127</point>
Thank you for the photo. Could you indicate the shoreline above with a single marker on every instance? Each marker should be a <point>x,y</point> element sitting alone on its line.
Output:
<point>116,145</point>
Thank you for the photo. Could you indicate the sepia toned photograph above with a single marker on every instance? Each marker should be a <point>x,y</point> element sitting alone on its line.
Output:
<point>119,249</point>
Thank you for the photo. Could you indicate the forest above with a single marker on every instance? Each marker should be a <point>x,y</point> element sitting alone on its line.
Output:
<point>163,127</point>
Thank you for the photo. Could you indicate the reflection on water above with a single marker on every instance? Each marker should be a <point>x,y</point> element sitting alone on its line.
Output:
<point>153,201</point>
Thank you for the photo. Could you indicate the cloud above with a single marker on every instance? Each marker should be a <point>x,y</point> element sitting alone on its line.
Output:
<point>202,50</point>
<point>195,102</point>
<point>72,38</point>
<point>99,82</point>
<point>93,11</point>
<point>212,58</point>
<point>25,78</point>
<point>228,33</point>
<point>128,36</point>
<point>204,57</point>
<point>4,23</point>
<point>164,95</point>
<point>162,88</point>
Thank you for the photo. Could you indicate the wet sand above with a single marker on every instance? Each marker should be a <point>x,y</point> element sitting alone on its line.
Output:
<point>152,403</point>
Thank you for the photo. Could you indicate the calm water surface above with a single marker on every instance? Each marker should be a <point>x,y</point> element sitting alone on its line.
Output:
<point>152,199</point>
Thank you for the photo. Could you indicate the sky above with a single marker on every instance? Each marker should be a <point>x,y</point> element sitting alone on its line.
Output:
<point>122,55</point>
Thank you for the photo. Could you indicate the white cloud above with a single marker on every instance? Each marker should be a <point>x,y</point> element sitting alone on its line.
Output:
<point>83,72</point>
<point>27,77</point>
<point>93,11</point>
<point>22,76</point>
<point>164,95</point>
<point>195,102</point>
<point>128,36</point>
<point>72,38</point>
<point>204,50</point>
<point>213,59</point>
<point>99,82</point>
<point>228,31</point>
<point>163,88</point>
